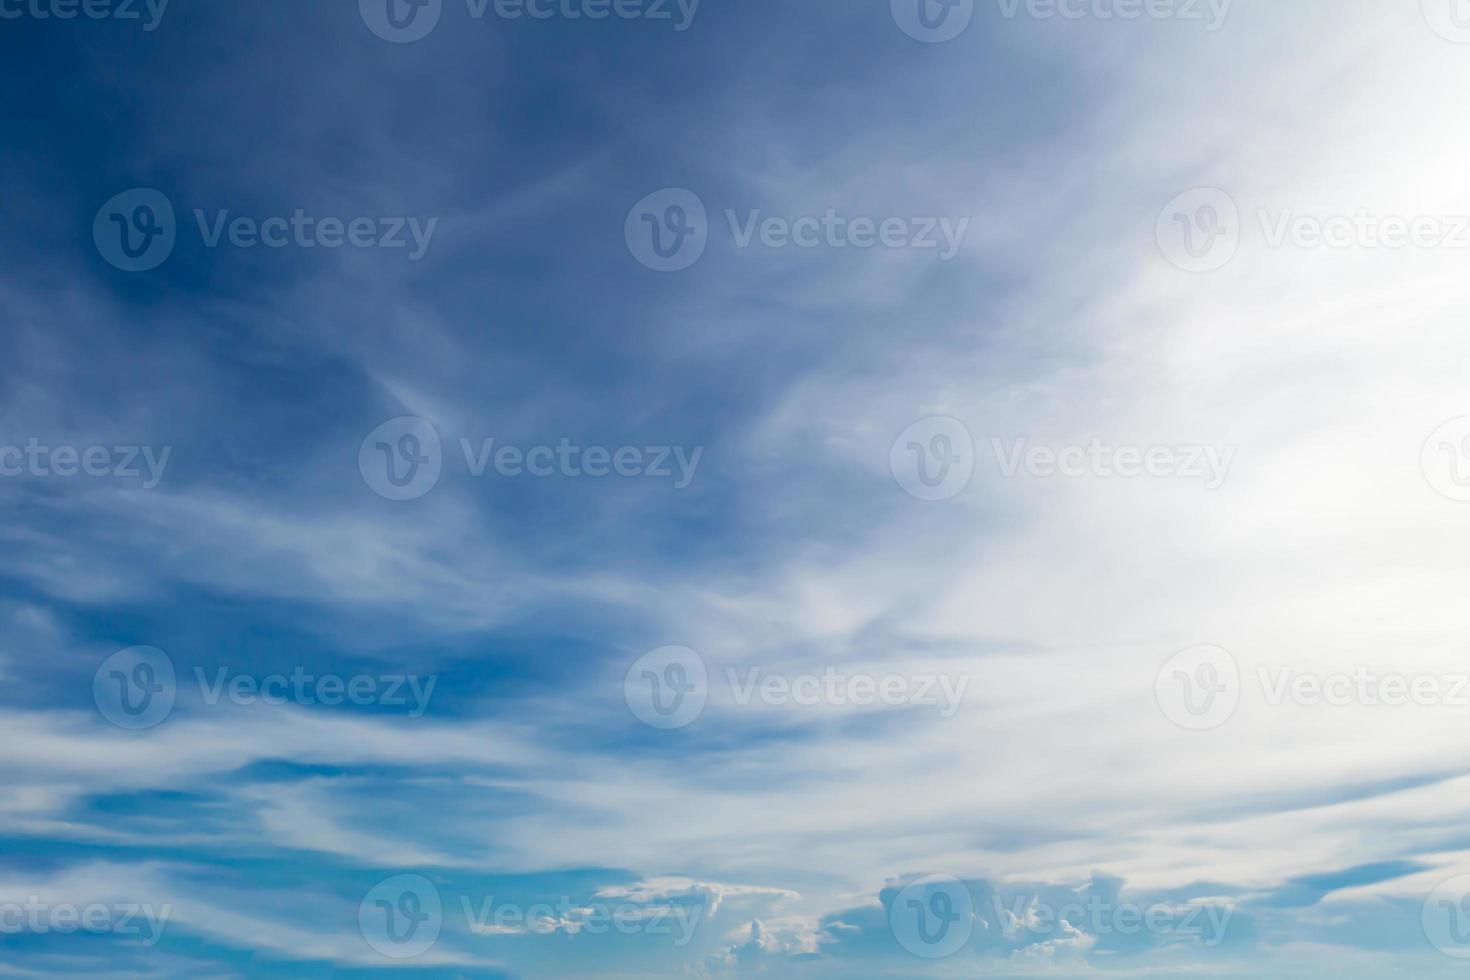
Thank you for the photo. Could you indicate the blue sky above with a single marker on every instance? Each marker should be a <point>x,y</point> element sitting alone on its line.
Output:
<point>411,567</point>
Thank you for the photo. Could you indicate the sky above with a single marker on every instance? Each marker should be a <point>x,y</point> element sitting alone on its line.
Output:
<point>656,488</point>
